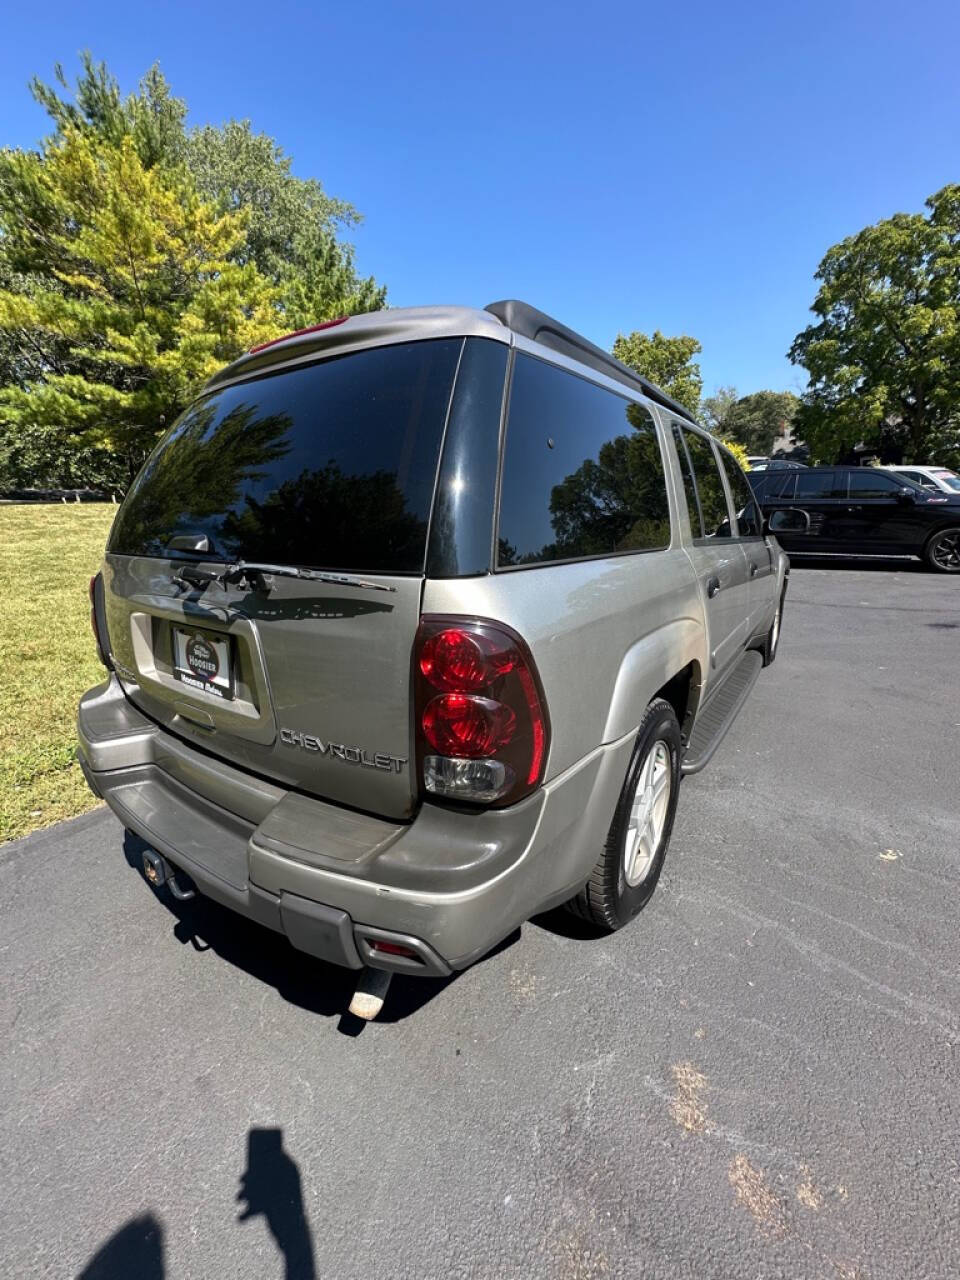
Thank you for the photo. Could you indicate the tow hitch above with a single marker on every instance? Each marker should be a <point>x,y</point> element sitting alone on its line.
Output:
<point>159,872</point>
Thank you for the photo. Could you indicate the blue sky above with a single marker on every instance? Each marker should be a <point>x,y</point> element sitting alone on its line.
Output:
<point>681,167</point>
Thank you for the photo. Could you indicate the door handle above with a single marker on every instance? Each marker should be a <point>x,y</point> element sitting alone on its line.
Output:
<point>713,586</point>
<point>854,508</point>
<point>753,570</point>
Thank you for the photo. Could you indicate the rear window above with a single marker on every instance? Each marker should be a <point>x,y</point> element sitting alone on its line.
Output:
<point>582,471</point>
<point>330,466</point>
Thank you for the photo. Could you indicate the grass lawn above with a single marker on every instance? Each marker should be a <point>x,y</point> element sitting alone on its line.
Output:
<point>48,657</point>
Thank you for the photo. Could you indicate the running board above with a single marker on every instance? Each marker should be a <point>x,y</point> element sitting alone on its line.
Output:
<point>720,712</point>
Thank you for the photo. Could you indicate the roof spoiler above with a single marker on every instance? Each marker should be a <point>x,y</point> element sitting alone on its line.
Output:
<point>539,327</point>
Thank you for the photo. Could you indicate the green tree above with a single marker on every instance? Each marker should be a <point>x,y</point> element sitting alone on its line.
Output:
<point>152,117</point>
<point>714,409</point>
<point>883,356</point>
<point>126,298</point>
<point>758,419</point>
<point>666,361</point>
<point>322,283</point>
<point>292,223</point>
<point>137,256</point>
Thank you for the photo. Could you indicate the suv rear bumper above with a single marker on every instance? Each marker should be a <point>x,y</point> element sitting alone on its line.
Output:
<point>450,884</point>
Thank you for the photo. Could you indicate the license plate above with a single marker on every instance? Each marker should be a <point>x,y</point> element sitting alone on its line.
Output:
<point>202,661</point>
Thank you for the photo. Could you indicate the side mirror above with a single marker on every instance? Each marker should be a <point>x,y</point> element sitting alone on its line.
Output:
<point>790,520</point>
<point>906,495</point>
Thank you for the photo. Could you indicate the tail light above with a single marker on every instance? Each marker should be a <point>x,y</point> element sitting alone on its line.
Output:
<point>97,621</point>
<point>482,729</point>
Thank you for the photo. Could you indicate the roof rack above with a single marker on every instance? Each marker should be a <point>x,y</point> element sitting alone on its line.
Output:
<point>538,327</point>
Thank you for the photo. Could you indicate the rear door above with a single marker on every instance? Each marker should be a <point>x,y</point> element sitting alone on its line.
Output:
<point>760,564</point>
<point>328,467</point>
<point>879,516</point>
<point>717,555</point>
<point>804,509</point>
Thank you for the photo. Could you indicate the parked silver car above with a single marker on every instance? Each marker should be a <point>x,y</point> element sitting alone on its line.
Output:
<point>413,622</point>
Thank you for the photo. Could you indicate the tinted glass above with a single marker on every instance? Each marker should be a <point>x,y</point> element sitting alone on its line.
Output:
<point>869,483</point>
<point>779,486</point>
<point>582,471</point>
<point>461,530</point>
<point>819,484</point>
<point>689,488</point>
<point>748,515</point>
<point>329,466</point>
<point>713,498</point>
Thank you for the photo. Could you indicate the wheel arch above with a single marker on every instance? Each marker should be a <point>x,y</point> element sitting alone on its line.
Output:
<point>947,526</point>
<point>942,527</point>
<point>667,663</point>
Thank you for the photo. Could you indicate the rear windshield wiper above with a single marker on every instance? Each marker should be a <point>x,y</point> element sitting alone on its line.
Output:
<point>252,574</point>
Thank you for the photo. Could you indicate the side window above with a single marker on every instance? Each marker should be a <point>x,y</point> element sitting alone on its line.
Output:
<point>713,497</point>
<point>780,487</point>
<point>689,487</point>
<point>917,477</point>
<point>870,483</point>
<point>815,484</point>
<point>582,471</point>
<point>748,516</point>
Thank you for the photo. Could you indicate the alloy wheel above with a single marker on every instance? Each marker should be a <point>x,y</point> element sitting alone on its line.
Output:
<point>945,551</point>
<point>648,814</point>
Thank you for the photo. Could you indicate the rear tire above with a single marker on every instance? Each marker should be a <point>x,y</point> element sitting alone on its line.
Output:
<point>942,552</point>
<point>627,871</point>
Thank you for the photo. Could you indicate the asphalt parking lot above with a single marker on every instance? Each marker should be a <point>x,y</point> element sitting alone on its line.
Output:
<point>761,1077</point>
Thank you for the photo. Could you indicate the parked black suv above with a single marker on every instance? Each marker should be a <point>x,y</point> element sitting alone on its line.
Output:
<point>860,511</point>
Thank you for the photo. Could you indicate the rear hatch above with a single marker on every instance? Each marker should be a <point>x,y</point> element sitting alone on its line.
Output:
<point>327,468</point>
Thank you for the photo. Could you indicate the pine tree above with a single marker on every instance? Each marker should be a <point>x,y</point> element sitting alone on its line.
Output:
<point>136,257</point>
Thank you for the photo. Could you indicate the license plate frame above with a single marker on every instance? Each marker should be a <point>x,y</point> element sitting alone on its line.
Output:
<point>203,661</point>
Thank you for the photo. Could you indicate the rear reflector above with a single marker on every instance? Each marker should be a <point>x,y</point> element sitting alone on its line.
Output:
<point>103,649</point>
<point>313,328</point>
<point>392,948</point>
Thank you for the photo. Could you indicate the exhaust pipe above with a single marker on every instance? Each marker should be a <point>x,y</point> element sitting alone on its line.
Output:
<point>159,872</point>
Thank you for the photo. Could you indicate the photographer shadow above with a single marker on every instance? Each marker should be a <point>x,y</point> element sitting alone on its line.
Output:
<point>270,1187</point>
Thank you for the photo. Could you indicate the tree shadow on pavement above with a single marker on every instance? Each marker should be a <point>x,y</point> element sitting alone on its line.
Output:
<point>136,1250</point>
<point>302,980</point>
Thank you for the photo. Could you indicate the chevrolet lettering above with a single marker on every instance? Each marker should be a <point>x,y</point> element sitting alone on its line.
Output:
<point>352,755</point>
